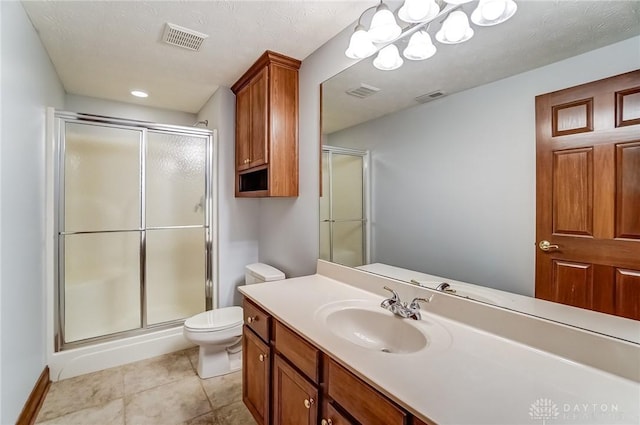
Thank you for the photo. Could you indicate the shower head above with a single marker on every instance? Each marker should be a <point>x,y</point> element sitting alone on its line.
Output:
<point>205,122</point>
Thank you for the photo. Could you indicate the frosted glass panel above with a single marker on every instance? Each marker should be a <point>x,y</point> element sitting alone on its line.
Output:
<point>326,189</point>
<point>325,241</point>
<point>347,187</point>
<point>175,274</point>
<point>102,284</point>
<point>102,178</point>
<point>347,243</point>
<point>175,182</point>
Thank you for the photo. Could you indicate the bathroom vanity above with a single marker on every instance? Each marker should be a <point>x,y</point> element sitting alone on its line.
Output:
<point>320,350</point>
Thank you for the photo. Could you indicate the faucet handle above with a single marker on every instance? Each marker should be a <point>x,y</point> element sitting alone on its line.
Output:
<point>395,297</point>
<point>415,303</point>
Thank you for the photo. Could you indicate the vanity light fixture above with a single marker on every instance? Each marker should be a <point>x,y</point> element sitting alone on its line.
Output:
<point>419,14</point>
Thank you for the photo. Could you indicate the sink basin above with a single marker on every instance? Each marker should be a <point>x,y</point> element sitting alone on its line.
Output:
<point>369,326</point>
<point>376,330</point>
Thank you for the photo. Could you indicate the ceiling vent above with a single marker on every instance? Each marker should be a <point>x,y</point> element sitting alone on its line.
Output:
<point>430,96</point>
<point>183,37</point>
<point>364,90</point>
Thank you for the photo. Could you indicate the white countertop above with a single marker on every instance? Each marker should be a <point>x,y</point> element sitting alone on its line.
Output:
<point>606,324</point>
<point>479,378</point>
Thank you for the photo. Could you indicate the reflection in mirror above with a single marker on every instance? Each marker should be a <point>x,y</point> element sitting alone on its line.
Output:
<point>453,189</point>
<point>343,206</point>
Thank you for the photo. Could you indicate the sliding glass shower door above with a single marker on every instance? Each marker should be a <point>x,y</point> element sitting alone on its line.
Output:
<point>134,233</point>
<point>343,206</point>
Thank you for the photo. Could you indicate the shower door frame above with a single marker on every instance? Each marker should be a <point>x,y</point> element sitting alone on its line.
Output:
<point>366,202</point>
<point>209,213</point>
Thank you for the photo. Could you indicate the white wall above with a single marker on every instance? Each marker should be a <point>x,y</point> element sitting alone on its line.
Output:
<point>237,225</point>
<point>29,84</point>
<point>454,180</point>
<point>111,108</point>
<point>289,226</point>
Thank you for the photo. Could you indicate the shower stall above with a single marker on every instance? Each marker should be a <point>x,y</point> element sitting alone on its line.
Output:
<point>344,225</point>
<point>133,224</point>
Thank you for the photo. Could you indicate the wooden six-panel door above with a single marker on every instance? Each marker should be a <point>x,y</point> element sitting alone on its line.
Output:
<point>588,196</point>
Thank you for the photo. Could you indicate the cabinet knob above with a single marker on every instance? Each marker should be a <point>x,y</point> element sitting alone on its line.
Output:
<point>308,402</point>
<point>326,422</point>
<point>262,357</point>
<point>252,319</point>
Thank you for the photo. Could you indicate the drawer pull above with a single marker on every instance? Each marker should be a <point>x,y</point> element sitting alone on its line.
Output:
<point>262,357</point>
<point>326,422</point>
<point>308,402</point>
<point>252,319</point>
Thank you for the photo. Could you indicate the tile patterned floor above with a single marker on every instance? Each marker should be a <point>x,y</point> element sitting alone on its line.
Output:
<point>164,390</point>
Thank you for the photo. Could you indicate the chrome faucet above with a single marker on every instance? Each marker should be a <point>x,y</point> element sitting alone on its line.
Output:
<point>401,309</point>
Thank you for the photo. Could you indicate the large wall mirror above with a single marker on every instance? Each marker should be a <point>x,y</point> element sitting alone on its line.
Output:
<point>452,147</point>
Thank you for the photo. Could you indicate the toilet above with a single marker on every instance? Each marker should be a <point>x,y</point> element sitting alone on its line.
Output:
<point>219,332</point>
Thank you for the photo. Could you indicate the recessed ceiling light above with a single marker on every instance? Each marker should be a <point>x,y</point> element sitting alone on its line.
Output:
<point>139,93</point>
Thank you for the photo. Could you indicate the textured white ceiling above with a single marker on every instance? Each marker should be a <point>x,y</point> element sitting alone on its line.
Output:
<point>105,49</point>
<point>540,33</point>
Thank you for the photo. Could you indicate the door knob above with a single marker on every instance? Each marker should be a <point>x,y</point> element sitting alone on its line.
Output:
<point>308,402</point>
<point>326,422</point>
<point>547,246</point>
<point>262,357</point>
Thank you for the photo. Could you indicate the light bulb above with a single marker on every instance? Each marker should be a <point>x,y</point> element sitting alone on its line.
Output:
<point>414,11</point>
<point>420,47</point>
<point>493,12</point>
<point>384,27</point>
<point>455,29</point>
<point>388,58</point>
<point>360,45</point>
<point>492,9</point>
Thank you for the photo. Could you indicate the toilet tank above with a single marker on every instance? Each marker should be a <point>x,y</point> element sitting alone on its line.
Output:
<point>259,272</point>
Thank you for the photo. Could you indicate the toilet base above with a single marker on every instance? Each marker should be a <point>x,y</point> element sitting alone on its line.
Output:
<point>215,362</point>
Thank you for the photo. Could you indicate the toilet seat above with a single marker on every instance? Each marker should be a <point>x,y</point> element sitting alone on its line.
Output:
<point>215,320</point>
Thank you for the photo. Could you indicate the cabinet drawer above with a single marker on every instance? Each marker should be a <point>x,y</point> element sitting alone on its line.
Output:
<point>257,320</point>
<point>360,400</point>
<point>299,352</point>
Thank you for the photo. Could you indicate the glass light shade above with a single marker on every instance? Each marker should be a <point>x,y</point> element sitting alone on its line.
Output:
<point>415,11</point>
<point>384,27</point>
<point>493,12</point>
<point>360,45</point>
<point>388,58</point>
<point>420,47</point>
<point>455,29</point>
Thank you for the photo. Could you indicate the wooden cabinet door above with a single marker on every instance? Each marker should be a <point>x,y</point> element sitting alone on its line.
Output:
<point>256,376</point>
<point>295,400</point>
<point>330,416</point>
<point>259,119</point>
<point>243,128</point>
<point>588,196</point>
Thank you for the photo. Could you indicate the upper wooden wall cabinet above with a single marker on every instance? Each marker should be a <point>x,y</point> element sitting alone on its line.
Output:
<point>267,128</point>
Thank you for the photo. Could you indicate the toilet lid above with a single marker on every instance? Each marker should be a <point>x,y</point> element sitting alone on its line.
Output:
<point>218,319</point>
